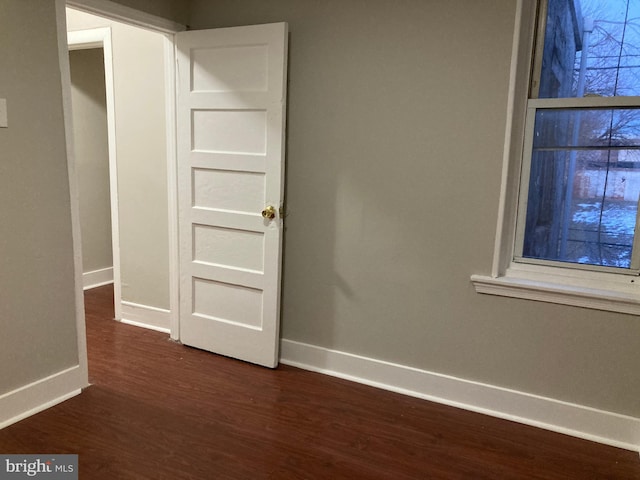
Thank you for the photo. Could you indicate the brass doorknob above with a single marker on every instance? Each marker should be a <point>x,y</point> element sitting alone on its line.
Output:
<point>269,212</point>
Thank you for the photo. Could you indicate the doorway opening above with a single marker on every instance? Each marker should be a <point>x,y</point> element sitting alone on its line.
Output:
<point>88,100</point>
<point>139,166</point>
<point>228,130</point>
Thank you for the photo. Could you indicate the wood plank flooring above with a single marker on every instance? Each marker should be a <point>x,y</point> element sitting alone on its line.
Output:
<point>159,410</point>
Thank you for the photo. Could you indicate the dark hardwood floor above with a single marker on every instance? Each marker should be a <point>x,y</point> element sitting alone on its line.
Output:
<point>159,410</point>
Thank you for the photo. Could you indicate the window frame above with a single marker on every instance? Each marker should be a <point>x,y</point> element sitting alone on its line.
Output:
<point>554,282</point>
<point>533,106</point>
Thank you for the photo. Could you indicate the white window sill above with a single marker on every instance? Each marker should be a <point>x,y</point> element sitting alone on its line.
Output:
<point>600,291</point>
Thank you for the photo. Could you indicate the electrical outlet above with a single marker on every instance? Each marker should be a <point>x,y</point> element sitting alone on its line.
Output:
<point>3,113</point>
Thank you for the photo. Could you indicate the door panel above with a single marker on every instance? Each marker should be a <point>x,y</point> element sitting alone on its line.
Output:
<point>231,123</point>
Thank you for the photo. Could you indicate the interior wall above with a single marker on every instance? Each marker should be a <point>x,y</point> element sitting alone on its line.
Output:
<point>396,124</point>
<point>88,98</point>
<point>37,285</point>
<point>138,71</point>
<point>176,10</point>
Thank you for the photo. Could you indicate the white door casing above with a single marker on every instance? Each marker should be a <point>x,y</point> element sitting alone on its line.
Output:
<point>101,38</point>
<point>231,85</point>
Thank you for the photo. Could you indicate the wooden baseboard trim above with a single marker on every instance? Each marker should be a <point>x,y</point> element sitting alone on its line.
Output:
<point>97,278</point>
<point>153,318</point>
<point>40,395</point>
<point>571,419</point>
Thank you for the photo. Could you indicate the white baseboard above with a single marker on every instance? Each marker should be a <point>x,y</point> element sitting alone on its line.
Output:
<point>40,395</point>
<point>97,278</point>
<point>153,318</point>
<point>555,415</point>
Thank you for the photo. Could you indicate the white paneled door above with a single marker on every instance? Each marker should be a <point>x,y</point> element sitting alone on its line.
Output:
<point>231,124</point>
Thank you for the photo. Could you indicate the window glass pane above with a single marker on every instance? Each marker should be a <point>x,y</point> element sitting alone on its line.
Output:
<point>584,186</point>
<point>607,32</point>
<point>587,128</point>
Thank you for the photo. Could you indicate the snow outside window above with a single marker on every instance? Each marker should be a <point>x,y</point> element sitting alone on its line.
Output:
<point>581,171</point>
<point>571,179</point>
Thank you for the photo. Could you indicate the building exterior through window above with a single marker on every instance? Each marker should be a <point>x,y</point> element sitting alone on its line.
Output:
<point>580,181</point>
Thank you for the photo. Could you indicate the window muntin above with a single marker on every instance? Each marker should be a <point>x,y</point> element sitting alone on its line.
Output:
<point>581,173</point>
<point>607,30</point>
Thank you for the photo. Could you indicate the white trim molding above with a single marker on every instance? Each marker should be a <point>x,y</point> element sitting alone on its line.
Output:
<point>40,395</point>
<point>550,414</point>
<point>158,319</point>
<point>128,15</point>
<point>598,299</point>
<point>172,184</point>
<point>97,278</point>
<point>578,288</point>
<point>65,79</point>
<point>101,38</point>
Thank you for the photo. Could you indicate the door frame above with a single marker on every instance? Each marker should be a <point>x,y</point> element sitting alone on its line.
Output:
<point>101,38</point>
<point>120,13</point>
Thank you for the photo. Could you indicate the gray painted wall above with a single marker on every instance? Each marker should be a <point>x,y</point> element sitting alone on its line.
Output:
<point>397,114</point>
<point>92,156</point>
<point>37,297</point>
<point>176,10</point>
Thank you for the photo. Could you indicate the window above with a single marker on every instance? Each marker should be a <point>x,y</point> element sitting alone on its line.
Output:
<point>579,191</point>
<point>577,154</point>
